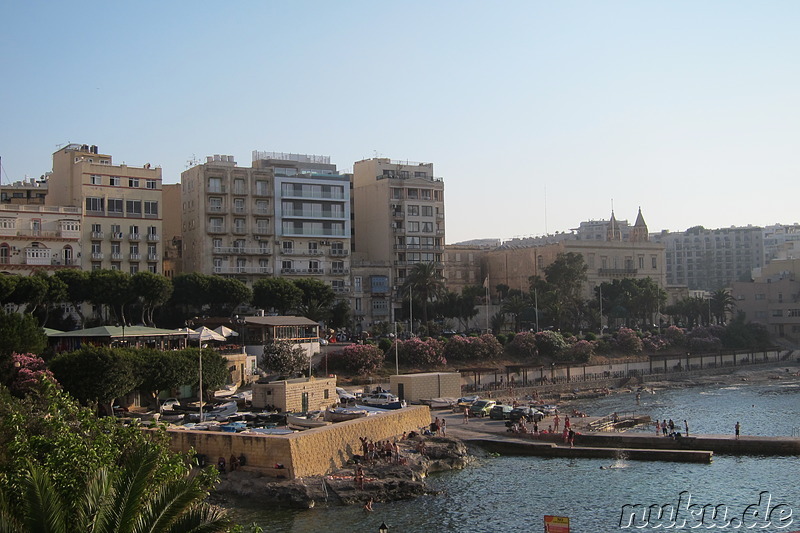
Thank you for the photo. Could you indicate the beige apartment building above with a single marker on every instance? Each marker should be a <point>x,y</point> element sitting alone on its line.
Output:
<point>288,215</point>
<point>399,210</point>
<point>29,191</point>
<point>372,295</point>
<point>463,265</point>
<point>772,298</point>
<point>122,211</point>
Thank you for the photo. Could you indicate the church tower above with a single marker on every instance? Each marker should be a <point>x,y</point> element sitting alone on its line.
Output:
<point>613,233</point>
<point>639,232</point>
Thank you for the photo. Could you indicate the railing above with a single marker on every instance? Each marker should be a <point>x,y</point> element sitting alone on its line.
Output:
<point>135,257</point>
<point>117,236</point>
<point>341,252</point>
<point>96,235</point>
<point>153,237</point>
<point>134,237</point>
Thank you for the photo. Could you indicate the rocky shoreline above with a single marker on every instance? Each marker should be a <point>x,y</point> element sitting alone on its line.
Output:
<point>384,481</point>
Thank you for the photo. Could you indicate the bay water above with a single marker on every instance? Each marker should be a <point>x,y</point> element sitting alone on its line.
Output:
<point>512,494</point>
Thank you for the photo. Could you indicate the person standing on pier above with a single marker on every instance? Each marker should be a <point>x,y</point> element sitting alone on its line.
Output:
<point>686,425</point>
<point>556,421</point>
<point>737,428</point>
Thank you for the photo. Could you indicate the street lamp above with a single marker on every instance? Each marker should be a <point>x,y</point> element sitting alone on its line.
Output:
<point>384,528</point>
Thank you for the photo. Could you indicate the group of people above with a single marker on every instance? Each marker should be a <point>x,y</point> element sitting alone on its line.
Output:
<point>667,429</point>
<point>387,450</point>
<point>233,464</point>
<point>439,427</point>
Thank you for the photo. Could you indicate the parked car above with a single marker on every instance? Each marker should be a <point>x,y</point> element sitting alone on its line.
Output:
<point>528,413</point>
<point>168,404</point>
<point>481,408</point>
<point>500,412</point>
<point>344,396</point>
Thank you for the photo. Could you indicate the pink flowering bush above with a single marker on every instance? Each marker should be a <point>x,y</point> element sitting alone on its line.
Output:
<point>628,342</point>
<point>550,343</point>
<point>357,359</point>
<point>675,336</point>
<point>461,348</point>
<point>523,345</point>
<point>655,343</point>
<point>489,347</point>
<point>26,371</point>
<point>580,351</point>
<point>419,353</point>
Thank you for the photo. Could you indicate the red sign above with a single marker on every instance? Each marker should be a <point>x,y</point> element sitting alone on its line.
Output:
<point>556,524</point>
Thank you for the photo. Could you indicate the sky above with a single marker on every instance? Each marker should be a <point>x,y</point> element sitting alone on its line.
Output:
<point>537,115</point>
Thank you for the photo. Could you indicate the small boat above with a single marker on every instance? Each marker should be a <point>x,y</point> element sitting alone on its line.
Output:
<point>226,391</point>
<point>219,412</point>
<point>439,403</point>
<point>342,414</point>
<point>269,431</point>
<point>304,422</point>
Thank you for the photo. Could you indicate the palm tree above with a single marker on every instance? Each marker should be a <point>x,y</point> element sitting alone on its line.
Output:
<point>130,500</point>
<point>515,305</point>
<point>722,304</point>
<point>425,284</point>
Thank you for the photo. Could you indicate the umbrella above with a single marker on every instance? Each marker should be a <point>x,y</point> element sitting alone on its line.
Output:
<point>226,332</point>
<point>204,334</point>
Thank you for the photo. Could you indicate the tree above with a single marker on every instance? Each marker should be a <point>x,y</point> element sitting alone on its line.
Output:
<point>111,288</point>
<point>190,292</point>
<point>161,371</point>
<point>8,284</point>
<point>215,368</point>
<point>497,322</point>
<point>226,294</point>
<point>565,279</point>
<point>20,333</point>
<point>316,299</point>
<point>131,499</point>
<point>79,289</point>
<point>279,294</point>
<point>515,306</point>
<point>357,359</point>
<point>340,315</point>
<point>30,292</point>
<point>425,283</point>
<point>284,358</point>
<point>502,290</point>
<point>96,374</point>
<point>21,373</point>
<point>722,304</point>
<point>152,291</point>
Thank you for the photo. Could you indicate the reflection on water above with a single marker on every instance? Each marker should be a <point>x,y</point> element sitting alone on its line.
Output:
<point>512,494</point>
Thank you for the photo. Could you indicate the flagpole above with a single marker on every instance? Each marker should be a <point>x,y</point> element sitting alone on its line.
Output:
<point>486,286</point>
<point>410,312</point>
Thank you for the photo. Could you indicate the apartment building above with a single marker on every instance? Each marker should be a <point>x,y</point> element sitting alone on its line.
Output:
<point>29,191</point>
<point>710,259</point>
<point>287,215</point>
<point>122,219</point>
<point>781,241</point>
<point>372,297</point>
<point>463,264</point>
<point>772,298</point>
<point>399,208</point>
<point>39,237</point>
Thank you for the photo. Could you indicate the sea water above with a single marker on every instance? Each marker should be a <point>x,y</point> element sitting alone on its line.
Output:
<point>513,494</point>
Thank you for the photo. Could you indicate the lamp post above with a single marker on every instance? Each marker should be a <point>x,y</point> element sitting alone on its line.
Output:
<point>396,357</point>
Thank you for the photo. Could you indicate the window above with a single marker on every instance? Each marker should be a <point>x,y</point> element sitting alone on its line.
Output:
<point>115,205</point>
<point>133,208</point>
<point>238,187</point>
<point>152,252</point>
<point>95,180</point>
<point>419,174</point>
<point>96,228</point>
<point>427,210</point>
<point>286,265</point>
<point>134,268</point>
<point>413,194</point>
<point>238,225</point>
<point>238,205</point>
<point>94,204</point>
<point>215,204</point>
<point>380,306</point>
<point>313,247</point>
<point>337,267</point>
<point>761,296</point>
<point>152,267</point>
<point>150,184</point>
<point>427,227</point>
<point>413,226</point>
<point>425,194</point>
<point>313,266</point>
<point>215,224</point>
<point>134,232</point>
<point>133,182</point>
<point>641,261</point>
<point>150,208</point>
<point>262,225</point>
<point>287,247</point>
<point>96,248</point>
<point>653,262</point>
<point>357,283</point>
<point>262,207</point>
<point>413,210</point>
<point>216,243</point>
<point>134,249</point>
<point>114,180</point>
<point>261,188</point>
<point>215,185</point>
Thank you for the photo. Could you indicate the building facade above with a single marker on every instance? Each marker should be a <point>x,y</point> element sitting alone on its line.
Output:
<point>26,192</point>
<point>121,205</point>
<point>772,298</point>
<point>372,296</point>
<point>463,265</point>
<point>288,215</point>
<point>38,237</point>
<point>399,218</point>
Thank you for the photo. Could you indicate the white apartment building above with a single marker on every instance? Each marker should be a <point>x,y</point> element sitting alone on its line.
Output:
<point>399,208</point>
<point>287,215</point>
<point>122,211</point>
<point>39,237</point>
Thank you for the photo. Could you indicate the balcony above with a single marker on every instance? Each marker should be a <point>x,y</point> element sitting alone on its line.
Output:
<point>340,252</point>
<point>97,235</point>
<point>153,237</point>
<point>239,230</point>
<point>117,236</point>
<point>218,189</point>
<point>152,257</point>
<point>97,255</point>
<point>240,210</point>
<point>135,257</point>
<point>116,256</point>
<point>216,229</point>
<point>613,272</point>
<point>215,209</point>
<point>340,290</point>
<point>398,214</point>
<point>134,237</point>
<point>340,271</point>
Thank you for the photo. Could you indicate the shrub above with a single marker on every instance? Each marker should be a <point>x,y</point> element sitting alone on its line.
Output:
<point>357,359</point>
<point>502,339</point>
<point>703,340</point>
<point>628,341</point>
<point>550,343</point>
<point>416,352</point>
<point>675,336</point>
<point>384,344</point>
<point>580,352</point>
<point>461,348</point>
<point>488,347</point>
<point>589,336</point>
<point>523,345</point>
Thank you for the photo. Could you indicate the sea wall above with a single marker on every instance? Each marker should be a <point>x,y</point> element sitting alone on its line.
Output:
<point>312,452</point>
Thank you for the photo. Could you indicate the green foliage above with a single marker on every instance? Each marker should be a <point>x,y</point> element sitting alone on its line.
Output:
<point>502,339</point>
<point>550,344</point>
<point>284,358</point>
<point>22,373</point>
<point>159,370</point>
<point>279,294</point>
<point>384,344</point>
<point>152,291</point>
<point>628,342</point>
<point>589,336</point>
<point>579,352</point>
<point>20,333</point>
<point>8,284</point>
<point>425,284</point>
<point>226,294</point>
<point>96,374</point>
<point>357,359</point>
<point>112,288</point>
<point>739,335</point>
<point>421,354</point>
<point>523,346</point>
<point>340,315</point>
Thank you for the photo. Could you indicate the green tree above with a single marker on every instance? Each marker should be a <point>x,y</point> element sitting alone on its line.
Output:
<point>226,294</point>
<point>565,279</point>
<point>8,284</point>
<point>160,371</point>
<point>96,374</point>
<point>340,315</point>
<point>279,294</point>
<point>722,305</point>
<point>317,298</point>
<point>215,368</point>
<point>152,291</point>
<point>130,499</point>
<point>284,358</point>
<point>30,292</point>
<point>20,333</point>
<point>515,305</point>
<point>426,284</point>
<point>112,288</point>
<point>190,292</point>
<point>79,289</point>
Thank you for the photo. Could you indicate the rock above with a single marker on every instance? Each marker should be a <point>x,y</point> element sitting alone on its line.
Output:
<point>382,481</point>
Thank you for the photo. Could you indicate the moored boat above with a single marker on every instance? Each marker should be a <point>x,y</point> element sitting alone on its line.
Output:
<point>304,422</point>
<point>342,414</point>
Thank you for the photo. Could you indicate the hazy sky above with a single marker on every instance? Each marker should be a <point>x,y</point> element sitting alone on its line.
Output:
<point>536,114</point>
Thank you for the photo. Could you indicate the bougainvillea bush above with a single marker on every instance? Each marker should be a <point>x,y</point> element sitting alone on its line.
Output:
<point>357,359</point>
<point>550,343</point>
<point>25,370</point>
<point>580,351</point>
<point>629,342</point>
<point>418,353</point>
<point>523,345</point>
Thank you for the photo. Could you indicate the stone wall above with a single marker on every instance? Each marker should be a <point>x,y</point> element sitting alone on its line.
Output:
<point>308,453</point>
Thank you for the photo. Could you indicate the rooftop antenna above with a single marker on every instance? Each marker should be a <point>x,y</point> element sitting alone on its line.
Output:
<point>193,162</point>
<point>545,209</point>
